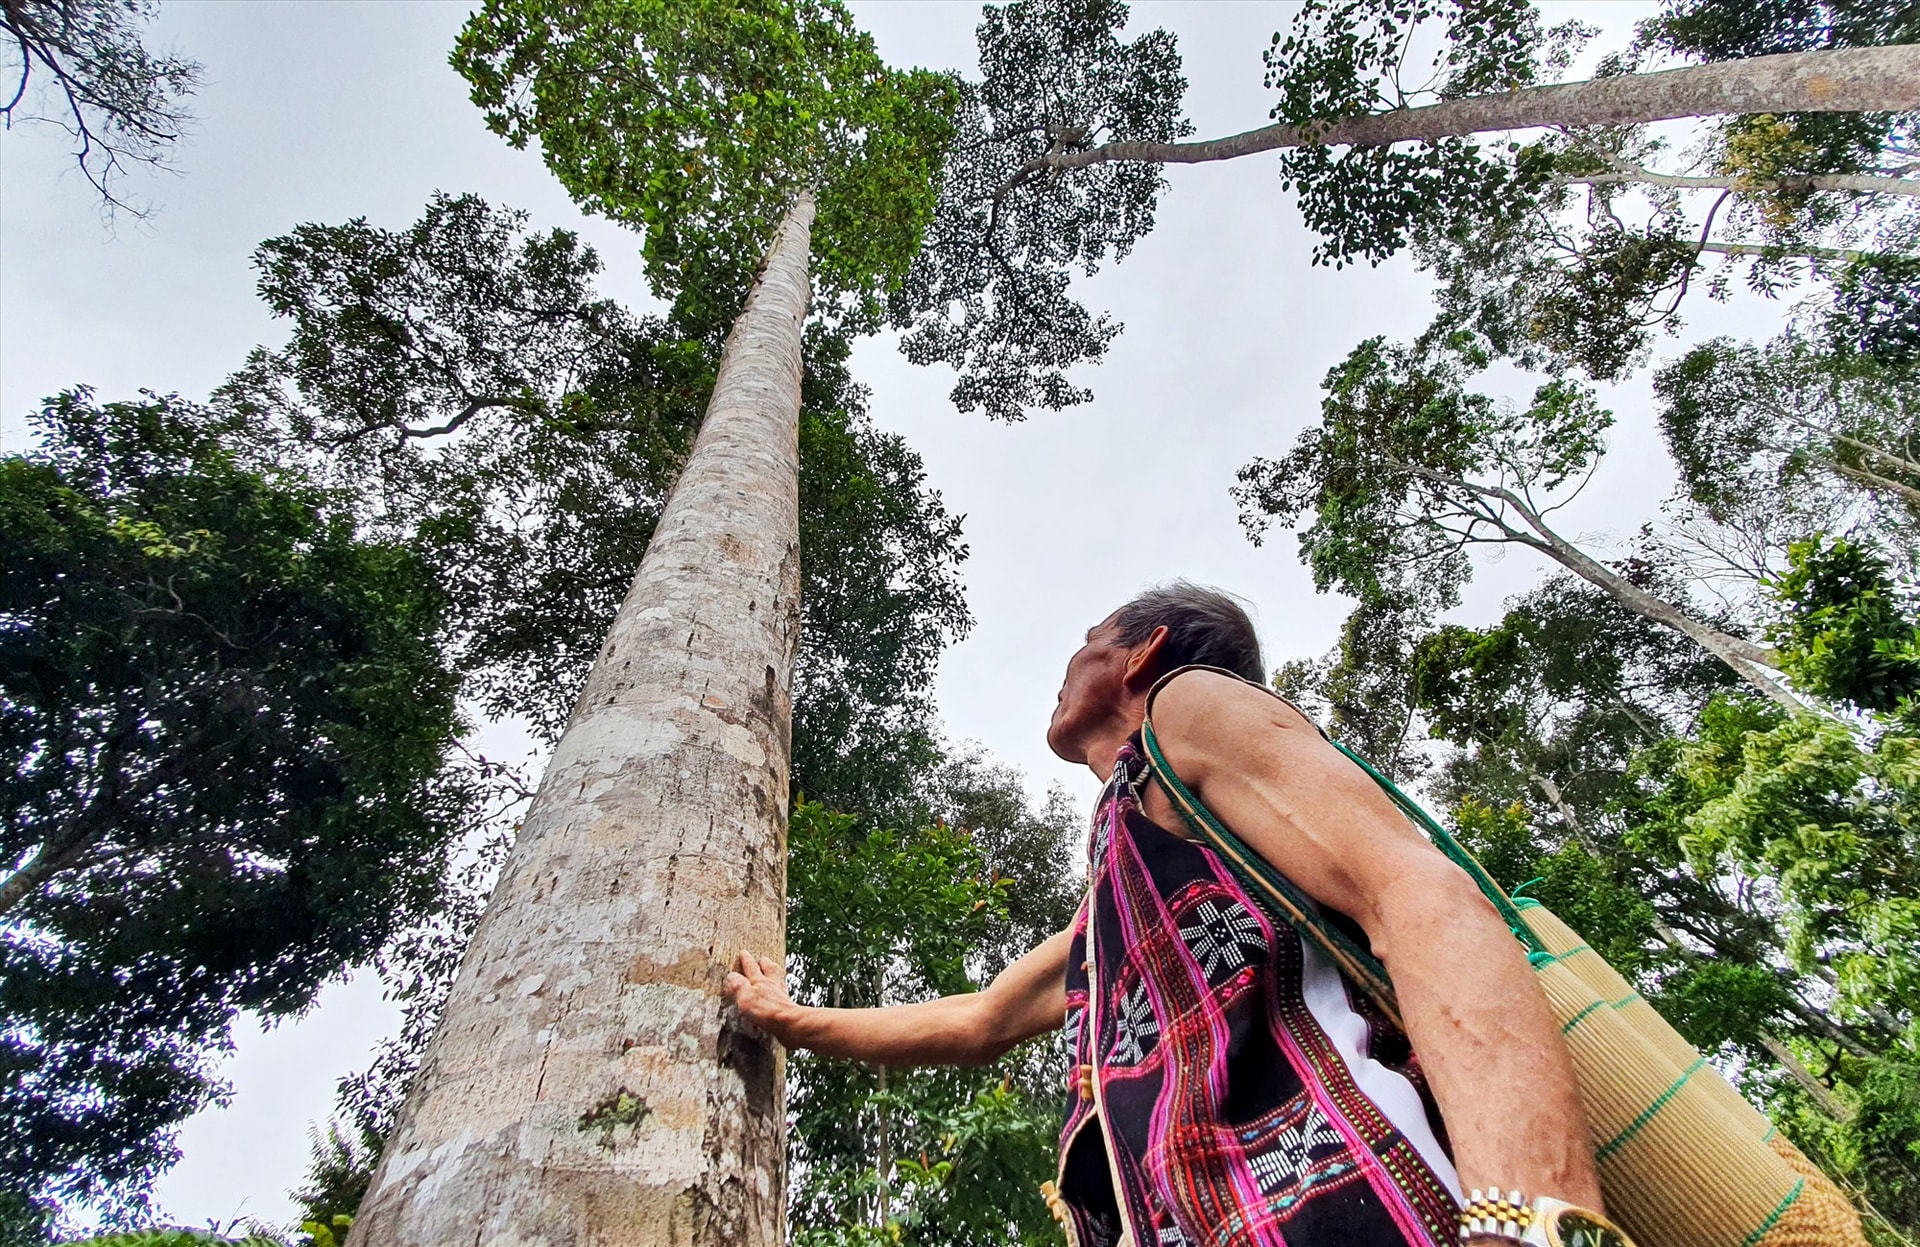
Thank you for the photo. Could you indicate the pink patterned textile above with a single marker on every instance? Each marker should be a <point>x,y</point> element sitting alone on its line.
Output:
<point>1230,1087</point>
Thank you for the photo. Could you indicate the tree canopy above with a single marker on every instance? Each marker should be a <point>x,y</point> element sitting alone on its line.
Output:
<point>1735,838</point>
<point>926,1156</point>
<point>521,432</point>
<point>228,720</point>
<point>1689,741</point>
<point>698,123</point>
<point>988,292</point>
<point>720,114</point>
<point>1571,247</point>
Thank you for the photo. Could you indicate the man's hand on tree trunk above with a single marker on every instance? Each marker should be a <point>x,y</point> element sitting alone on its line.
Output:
<point>759,991</point>
<point>973,1028</point>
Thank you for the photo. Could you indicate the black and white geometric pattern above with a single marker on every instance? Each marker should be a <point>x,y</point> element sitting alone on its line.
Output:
<point>1134,1027</point>
<point>1222,936</point>
<point>1298,1157</point>
<point>1171,1235</point>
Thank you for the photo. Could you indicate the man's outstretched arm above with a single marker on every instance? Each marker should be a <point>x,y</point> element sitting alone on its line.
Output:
<point>1480,1024</point>
<point>1029,998</point>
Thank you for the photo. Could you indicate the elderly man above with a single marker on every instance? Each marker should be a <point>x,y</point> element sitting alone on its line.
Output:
<point>1230,1086</point>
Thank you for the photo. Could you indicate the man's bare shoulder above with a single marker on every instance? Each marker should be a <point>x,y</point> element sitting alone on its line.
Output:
<point>1204,710</point>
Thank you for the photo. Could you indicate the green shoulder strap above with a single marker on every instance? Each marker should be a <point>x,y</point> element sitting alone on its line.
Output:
<point>1282,898</point>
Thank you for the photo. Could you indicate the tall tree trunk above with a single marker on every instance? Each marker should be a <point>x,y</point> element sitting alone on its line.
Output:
<point>1885,79</point>
<point>587,1088</point>
<point>1855,183</point>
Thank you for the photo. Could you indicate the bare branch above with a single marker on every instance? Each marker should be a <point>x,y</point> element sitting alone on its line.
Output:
<point>1880,79</point>
<point>1751,662</point>
<point>473,408</point>
<point>1858,183</point>
<point>120,104</point>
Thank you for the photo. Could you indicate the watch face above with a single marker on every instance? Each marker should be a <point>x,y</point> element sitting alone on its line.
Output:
<point>1574,1228</point>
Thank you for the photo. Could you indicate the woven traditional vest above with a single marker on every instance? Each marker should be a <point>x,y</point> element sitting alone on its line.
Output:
<point>1229,1086</point>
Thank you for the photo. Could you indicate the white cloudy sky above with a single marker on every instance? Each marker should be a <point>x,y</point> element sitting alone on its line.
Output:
<point>324,111</point>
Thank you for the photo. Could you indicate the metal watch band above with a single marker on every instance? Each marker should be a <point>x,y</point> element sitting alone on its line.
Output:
<point>1492,1214</point>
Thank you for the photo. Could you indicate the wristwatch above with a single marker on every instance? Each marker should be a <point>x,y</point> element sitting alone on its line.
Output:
<point>1541,1222</point>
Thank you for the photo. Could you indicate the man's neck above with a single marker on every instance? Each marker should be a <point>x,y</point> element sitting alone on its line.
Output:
<point>1105,741</point>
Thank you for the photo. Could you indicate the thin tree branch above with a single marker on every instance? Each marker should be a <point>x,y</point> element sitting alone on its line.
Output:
<point>1858,183</point>
<point>1686,272</point>
<point>473,408</point>
<point>1751,662</point>
<point>1797,253</point>
<point>1821,1093</point>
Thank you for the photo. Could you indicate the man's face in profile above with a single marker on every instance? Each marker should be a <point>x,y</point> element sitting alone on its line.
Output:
<point>1094,683</point>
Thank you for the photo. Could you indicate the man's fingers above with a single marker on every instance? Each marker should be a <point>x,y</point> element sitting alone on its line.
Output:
<point>735,983</point>
<point>754,970</point>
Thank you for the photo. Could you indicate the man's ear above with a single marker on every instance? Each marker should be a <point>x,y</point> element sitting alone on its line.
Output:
<point>1146,662</point>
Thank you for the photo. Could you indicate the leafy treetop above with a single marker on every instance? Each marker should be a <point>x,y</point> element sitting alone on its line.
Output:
<point>520,432</point>
<point>1409,468</point>
<point>698,123</point>
<point>1568,248</point>
<point>988,292</point>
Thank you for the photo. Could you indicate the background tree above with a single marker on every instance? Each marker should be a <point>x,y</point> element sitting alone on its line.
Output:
<point>988,292</point>
<point>229,732</point>
<point>1778,440</point>
<point>877,916</point>
<point>1729,848</point>
<point>81,67</point>
<point>1745,867</point>
<point>1358,690</point>
<point>1383,158</point>
<point>1409,470</point>
<point>1570,247</point>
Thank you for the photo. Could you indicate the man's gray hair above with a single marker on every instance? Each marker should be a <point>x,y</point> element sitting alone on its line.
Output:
<point>1203,626</point>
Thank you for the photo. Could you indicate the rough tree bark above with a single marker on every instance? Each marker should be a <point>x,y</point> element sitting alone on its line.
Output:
<point>586,1085</point>
<point>1845,80</point>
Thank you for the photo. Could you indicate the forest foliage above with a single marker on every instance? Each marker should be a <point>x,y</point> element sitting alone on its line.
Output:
<point>1696,746</point>
<point>1700,746</point>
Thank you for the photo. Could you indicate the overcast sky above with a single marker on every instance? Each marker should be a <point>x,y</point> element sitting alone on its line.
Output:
<point>325,111</point>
